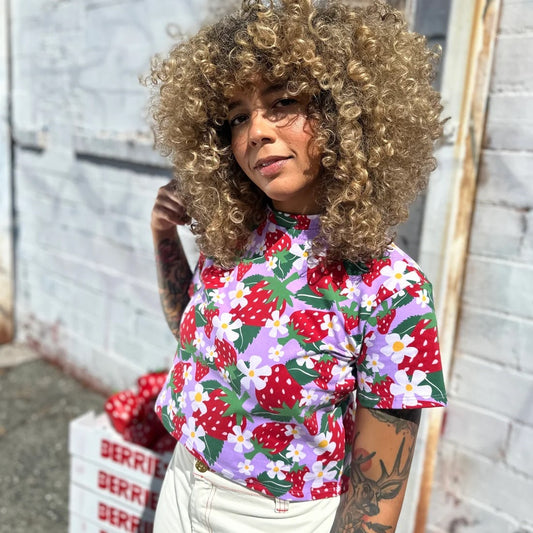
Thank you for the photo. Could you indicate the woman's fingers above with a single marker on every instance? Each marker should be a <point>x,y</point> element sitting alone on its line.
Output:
<point>168,211</point>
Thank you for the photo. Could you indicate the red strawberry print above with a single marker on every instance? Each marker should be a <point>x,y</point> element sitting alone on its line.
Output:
<point>257,310</point>
<point>242,268</point>
<point>273,437</point>
<point>177,424</point>
<point>188,326</point>
<point>303,222</point>
<point>296,477</point>
<point>326,276</point>
<point>428,356</point>
<point>327,490</point>
<point>325,368</point>
<point>338,438</point>
<point>209,315</point>
<point>214,420</point>
<point>384,322</point>
<point>351,321</point>
<point>281,391</point>
<point>276,241</point>
<point>226,354</point>
<point>178,376</point>
<point>214,277</point>
<point>382,294</point>
<point>200,371</point>
<point>374,271</point>
<point>254,484</point>
<point>307,324</point>
<point>383,391</point>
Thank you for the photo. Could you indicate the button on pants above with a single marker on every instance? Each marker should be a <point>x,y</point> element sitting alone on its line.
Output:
<point>193,500</point>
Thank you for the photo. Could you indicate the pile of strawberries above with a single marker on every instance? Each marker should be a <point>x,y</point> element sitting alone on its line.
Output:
<point>132,414</point>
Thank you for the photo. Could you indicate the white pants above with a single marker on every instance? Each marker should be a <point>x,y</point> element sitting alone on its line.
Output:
<point>192,501</point>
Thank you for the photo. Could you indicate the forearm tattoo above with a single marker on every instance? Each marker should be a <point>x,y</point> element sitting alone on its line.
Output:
<point>174,276</point>
<point>362,500</point>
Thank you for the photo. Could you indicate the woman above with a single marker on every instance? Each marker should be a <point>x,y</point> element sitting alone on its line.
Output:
<point>299,134</point>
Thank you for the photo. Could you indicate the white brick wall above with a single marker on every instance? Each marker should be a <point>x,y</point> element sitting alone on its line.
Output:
<point>484,481</point>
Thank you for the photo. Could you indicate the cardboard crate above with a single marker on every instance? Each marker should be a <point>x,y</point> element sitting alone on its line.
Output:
<point>93,438</point>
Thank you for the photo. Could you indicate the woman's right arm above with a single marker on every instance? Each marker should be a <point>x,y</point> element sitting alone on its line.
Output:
<point>173,272</point>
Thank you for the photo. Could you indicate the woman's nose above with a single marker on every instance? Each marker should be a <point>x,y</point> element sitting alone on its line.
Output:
<point>261,130</point>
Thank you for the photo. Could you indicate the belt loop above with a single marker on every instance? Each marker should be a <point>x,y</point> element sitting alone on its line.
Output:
<point>281,506</point>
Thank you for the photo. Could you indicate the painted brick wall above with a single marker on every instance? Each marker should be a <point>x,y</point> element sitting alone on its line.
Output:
<point>484,481</point>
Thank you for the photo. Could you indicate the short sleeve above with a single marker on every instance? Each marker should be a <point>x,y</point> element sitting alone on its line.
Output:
<point>399,366</point>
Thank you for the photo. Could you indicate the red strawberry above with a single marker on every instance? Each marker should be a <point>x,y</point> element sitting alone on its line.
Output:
<point>338,438</point>
<point>242,268</point>
<point>226,354</point>
<point>209,315</point>
<point>326,276</point>
<point>200,371</point>
<point>351,321</point>
<point>384,322</point>
<point>257,310</point>
<point>383,391</point>
<point>177,423</point>
<point>214,421</point>
<point>273,436</point>
<point>178,376</point>
<point>122,408</point>
<point>374,271</point>
<point>382,294</point>
<point>214,277</point>
<point>349,424</point>
<point>254,484</point>
<point>188,326</point>
<point>427,343</point>
<point>164,444</point>
<point>311,423</point>
<point>297,479</point>
<point>327,490</point>
<point>281,391</point>
<point>150,384</point>
<point>307,324</point>
<point>303,222</point>
<point>276,241</point>
<point>325,368</point>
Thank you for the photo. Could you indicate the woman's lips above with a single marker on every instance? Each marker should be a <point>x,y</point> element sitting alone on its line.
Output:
<point>269,167</point>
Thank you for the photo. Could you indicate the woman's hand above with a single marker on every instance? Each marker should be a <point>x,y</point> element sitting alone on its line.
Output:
<point>168,211</point>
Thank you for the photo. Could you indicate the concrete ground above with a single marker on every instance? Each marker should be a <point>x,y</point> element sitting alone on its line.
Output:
<point>37,401</point>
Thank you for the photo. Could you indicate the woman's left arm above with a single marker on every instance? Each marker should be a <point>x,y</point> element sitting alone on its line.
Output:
<point>381,460</point>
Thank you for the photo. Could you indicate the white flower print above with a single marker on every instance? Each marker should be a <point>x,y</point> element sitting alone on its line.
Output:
<point>194,434</point>
<point>398,347</point>
<point>327,347</point>
<point>374,363</point>
<point>350,346</point>
<point>307,359</point>
<point>320,473</point>
<point>398,277</point>
<point>217,296</point>
<point>210,353</point>
<point>302,253</point>
<point>295,452</point>
<point>272,262</point>
<point>187,374</point>
<point>277,324</point>
<point>238,296</point>
<point>308,397</point>
<point>225,326</point>
<point>253,374</point>
<point>351,290</point>
<point>246,467</point>
<point>294,431</point>
<point>225,375</point>
<point>198,398</point>
<point>182,401</point>
<point>322,443</point>
<point>422,298</point>
<point>364,381</point>
<point>171,408</point>
<point>330,324</point>
<point>198,341</point>
<point>276,469</point>
<point>240,439</point>
<point>275,353</point>
<point>368,301</point>
<point>369,341</point>
<point>226,278</point>
<point>410,389</point>
<point>343,370</point>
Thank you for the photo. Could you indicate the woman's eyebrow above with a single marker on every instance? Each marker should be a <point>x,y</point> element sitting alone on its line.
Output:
<point>265,92</point>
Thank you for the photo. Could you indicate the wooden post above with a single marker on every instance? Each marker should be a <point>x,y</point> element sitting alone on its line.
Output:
<point>460,200</point>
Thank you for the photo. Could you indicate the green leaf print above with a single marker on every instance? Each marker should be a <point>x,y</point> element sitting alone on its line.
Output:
<point>276,486</point>
<point>246,337</point>
<point>307,296</point>
<point>213,447</point>
<point>211,384</point>
<point>301,374</point>
<point>407,326</point>
<point>367,399</point>
<point>282,414</point>
<point>252,280</point>
<point>355,269</point>
<point>285,263</point>
<point>187,351</point>
<point>436,382</point>
<point>200,318</point>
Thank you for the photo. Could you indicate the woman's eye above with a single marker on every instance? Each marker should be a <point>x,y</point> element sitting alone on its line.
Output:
<point>284,102</point>
<point>237,120</point>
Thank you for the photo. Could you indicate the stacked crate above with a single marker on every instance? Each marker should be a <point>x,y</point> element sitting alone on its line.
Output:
<point>114,484</point>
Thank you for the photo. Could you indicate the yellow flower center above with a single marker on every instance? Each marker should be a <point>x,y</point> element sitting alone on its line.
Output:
<point>251,373</point>
<point>320,474</point>
<point>224,326</point>
<point>198,397</point>
<point>408,387</point>
<point>305,254</point>
<point>277,323</point>
<point>330,325</point>
<point>193,434</point>
<point>240,438</point>
<point>398,346</point>
<point>350,348</point>
<point>398,275</point>
<point>323,443</point>
<point>239,294</point>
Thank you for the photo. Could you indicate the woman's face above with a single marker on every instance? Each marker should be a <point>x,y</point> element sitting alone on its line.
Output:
<point>272,140</point>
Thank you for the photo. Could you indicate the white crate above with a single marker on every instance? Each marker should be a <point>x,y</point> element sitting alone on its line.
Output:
<point>110,483</point>
<point>93,438</point>
<point>80,524</point>
<point>106,513</point>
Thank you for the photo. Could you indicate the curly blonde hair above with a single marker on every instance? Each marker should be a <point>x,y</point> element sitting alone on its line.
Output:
<point>368,80</point>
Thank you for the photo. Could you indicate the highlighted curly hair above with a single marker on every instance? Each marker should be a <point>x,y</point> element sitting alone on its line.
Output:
<point>368,80</point>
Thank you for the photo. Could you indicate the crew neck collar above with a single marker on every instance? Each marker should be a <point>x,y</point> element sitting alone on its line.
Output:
<point>293,221</point>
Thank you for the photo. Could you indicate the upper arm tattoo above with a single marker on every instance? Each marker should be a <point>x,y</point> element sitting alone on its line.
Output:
<point>401,419</point>
<point>174,276</point>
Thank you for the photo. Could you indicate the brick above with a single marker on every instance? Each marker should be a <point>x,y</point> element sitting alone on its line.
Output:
<point>505,179</point>
<point>496,231</point>
<point>495,337</point>
<point>154,330</point>
<point>476,429</point>
<point>516,17</point>
<point>512,71</point>
<point>509,122</point>
<point>500,286</point>
<point>519,453</point>
<point>492,387</point>
<point>526,252</point>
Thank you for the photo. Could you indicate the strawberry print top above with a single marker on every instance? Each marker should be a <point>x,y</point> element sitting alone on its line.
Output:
<point>272,350</point>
